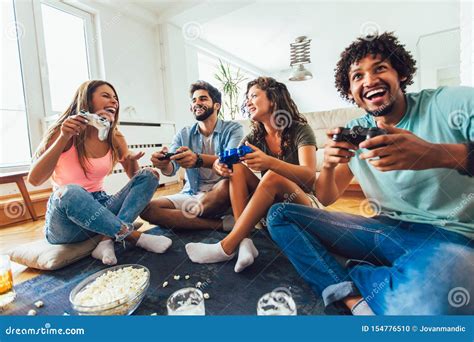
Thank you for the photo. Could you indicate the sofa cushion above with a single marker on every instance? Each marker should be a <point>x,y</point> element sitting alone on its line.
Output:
<point>321,121</point>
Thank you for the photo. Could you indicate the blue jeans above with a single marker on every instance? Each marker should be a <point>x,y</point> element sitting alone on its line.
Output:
<point>75,215</point>
<point>400,268</point>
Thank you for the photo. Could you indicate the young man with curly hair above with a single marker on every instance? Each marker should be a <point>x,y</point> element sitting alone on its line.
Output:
<point>416,256</point>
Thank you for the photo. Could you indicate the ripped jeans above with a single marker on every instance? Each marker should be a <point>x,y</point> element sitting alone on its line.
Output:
<point>400,268</point>
<point>75,215</point>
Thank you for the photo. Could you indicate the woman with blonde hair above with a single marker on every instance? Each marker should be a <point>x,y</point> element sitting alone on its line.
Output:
<point>284,151</point>
<point>77,161</point>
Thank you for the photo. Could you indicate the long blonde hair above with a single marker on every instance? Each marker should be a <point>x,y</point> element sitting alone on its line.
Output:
<point>83,101</point>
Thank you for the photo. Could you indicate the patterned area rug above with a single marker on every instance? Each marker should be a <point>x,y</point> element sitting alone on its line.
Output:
<point>230,293</point>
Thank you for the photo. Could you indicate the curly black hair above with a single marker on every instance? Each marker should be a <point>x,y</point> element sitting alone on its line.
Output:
<point>387,46</point>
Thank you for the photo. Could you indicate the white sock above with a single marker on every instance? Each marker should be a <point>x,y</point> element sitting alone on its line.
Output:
<point>247,254</point>
<point>228,223</point>
<point>154,243</point>
<point>204,253</point>
<point>105,252</point>
<point>361,308</point>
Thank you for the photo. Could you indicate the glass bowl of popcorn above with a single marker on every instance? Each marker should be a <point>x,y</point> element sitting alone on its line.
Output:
<point>117,290</point>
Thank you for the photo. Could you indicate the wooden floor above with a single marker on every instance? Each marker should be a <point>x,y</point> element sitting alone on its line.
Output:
<point>30,231</point>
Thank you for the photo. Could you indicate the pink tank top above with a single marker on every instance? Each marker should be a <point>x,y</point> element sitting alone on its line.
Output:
<point>69,171</point>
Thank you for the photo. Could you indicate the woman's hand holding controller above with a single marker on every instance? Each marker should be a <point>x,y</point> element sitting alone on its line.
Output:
<point>73,125</point>
<point>221,169</point>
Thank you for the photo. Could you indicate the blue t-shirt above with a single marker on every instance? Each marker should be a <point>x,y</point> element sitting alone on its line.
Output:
<point>440,197</point>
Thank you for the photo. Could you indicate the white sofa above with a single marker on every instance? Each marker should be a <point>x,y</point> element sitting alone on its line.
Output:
<point>320,122</point>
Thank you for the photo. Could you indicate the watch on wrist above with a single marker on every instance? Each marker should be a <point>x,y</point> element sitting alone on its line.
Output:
<point>199,161</point>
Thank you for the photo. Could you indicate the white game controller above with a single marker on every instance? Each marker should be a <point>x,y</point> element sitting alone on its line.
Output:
<point>99,122</point>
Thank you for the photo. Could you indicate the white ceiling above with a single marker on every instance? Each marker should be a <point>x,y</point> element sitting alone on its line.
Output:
<point>259,32</point>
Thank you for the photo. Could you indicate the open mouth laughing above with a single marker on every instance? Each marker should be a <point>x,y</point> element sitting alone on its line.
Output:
<point>198,110</point>
<point>376,95</point>
<point>111,110</point>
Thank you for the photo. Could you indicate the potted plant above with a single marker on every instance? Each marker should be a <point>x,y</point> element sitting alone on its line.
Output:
<point>229,84</point>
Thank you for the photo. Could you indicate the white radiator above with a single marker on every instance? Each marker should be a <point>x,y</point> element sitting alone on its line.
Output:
<point>146,137</point>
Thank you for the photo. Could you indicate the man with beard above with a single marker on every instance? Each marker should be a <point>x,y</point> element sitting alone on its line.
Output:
<point>205,196</point>
<point>415,256</point>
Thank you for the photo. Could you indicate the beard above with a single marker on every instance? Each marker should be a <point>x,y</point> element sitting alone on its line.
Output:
<point>382,110</point>
<point>207,113</point>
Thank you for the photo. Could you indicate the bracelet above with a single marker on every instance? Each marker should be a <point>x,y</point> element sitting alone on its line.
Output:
<point>469,170</point>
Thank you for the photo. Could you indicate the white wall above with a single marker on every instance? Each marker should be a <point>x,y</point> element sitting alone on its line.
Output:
<point>132,61</point>
<point>260,34</point>
<point>434,63</point>
<point>467,43</point>
<point>180,71</point>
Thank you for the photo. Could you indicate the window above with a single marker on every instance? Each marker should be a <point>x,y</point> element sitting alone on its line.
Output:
<point>51,45</point>
<point>15,143</point>
<point>208,67</point>
<point>67,60</point>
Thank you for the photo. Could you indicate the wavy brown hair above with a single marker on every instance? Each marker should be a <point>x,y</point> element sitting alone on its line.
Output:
<point>284,110</point>
<point>82,100</point>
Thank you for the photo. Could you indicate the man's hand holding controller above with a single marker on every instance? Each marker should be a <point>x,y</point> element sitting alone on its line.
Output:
<point>337,152</point>
<point>161,161</point>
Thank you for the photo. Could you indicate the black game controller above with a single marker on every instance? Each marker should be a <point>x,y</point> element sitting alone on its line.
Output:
<point>358,134</point>
<point>167,156</point>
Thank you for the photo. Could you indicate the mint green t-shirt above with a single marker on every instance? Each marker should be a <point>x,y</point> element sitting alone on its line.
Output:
<point>440,197</point>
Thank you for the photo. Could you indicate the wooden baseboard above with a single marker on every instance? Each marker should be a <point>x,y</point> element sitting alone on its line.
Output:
<point>13,209</point>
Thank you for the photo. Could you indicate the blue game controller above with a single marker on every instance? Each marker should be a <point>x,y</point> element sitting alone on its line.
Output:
<point>232,156</point>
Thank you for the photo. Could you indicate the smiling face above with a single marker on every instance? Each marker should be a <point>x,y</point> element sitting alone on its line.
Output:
<point>104,98</point>
<point>258,105</point>
<point>375,85</point>
<point>202,105</point>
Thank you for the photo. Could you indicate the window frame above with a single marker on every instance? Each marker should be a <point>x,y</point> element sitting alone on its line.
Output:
<point>33,63</point>
<point>91,51</point>
<point>234,64</point>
